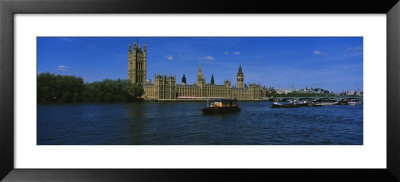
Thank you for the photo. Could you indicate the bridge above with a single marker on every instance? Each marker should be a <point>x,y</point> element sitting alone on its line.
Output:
<point>316,98</point>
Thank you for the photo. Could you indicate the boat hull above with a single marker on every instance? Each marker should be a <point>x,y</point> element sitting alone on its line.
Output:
<point>342,103</point>
<point>314,104</point>
<point>218,110</point>
<point>329,103</point>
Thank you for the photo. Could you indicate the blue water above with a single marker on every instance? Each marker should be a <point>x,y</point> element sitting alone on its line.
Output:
<point>184,124</point>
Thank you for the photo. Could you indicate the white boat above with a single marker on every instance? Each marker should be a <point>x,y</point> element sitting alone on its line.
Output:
<point>354,102</point>
<point>328,103</point>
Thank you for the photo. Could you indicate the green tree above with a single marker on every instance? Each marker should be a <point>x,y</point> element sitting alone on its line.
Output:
<point>71,89</point>
<point>58,88</point>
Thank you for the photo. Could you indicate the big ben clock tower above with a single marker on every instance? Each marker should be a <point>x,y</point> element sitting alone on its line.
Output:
<point>240,78</point>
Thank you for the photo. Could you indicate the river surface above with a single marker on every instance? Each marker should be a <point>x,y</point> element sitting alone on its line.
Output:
<point>184,124</point>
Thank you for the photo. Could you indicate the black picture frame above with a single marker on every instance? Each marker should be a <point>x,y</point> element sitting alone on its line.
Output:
<point>8,8</point>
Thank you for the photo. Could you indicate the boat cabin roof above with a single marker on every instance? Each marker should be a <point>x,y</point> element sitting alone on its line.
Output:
<point>222,100</point>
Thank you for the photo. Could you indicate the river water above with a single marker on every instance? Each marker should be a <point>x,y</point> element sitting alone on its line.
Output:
<point>184,124</point>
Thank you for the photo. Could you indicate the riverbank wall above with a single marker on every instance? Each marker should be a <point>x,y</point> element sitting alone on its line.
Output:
<point>195,100</point>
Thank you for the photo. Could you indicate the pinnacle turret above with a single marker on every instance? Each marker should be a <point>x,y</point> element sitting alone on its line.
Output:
<point>240,69</point>
<point>183,79</point>
<point>200,78</point>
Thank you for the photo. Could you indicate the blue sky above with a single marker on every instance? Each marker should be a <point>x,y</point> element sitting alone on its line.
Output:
<point>333,63</point>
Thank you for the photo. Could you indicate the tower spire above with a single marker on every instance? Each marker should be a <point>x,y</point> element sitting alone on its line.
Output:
<point>183,79</point>
<point>200,78</point>
<point>240,78</point>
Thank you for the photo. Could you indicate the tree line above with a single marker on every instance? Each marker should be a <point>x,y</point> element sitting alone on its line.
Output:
<point>52,88</point>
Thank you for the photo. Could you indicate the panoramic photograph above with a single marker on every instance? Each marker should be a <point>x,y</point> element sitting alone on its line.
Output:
<point>199,91</point>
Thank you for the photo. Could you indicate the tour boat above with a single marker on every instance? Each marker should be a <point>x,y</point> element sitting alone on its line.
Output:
<point>221,106</point>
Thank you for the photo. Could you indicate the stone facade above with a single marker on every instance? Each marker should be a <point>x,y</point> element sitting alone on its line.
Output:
<point>166,88</point>
<point>137,60</point>
<point>240,78</point>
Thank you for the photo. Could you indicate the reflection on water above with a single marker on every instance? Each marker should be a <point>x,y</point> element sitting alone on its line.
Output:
<point>184,124</point>
<point>135,123</point>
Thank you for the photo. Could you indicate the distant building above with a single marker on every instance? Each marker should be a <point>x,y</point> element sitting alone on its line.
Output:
<point>166,88</point>
<point>352,93</point>
<point>349,92</point>
<point>270,90</point>
<point>148,81</point>
<point>264,91</point>
<point>315,91</point>
<point>283,91</point>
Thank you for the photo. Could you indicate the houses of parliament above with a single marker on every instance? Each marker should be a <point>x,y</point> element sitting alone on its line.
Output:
<point>166,88</point>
